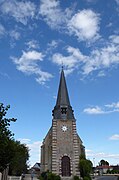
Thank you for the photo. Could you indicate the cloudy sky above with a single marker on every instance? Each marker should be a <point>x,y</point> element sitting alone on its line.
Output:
<point>36,38</point>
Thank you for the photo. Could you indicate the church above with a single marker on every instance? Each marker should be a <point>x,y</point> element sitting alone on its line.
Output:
<point>62,145</point>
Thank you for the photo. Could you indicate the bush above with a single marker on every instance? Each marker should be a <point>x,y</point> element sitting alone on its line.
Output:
<point>41,178</point>
<point>49,176</point>
<point>76,178</point>
<point>52,176</point>
<point>87,178</point>
<point>85,167</point>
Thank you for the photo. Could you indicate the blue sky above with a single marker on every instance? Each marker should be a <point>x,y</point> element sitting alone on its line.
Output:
<point>36,37</point>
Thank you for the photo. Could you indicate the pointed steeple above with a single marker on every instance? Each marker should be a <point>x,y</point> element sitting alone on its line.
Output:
<point>62,98</point>
<point>63,109</point>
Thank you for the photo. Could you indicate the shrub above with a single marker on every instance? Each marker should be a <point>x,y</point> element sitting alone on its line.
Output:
<point>87,178</point>
<point>49,176</point>
<point>85,167</point>
<point>76,178</point>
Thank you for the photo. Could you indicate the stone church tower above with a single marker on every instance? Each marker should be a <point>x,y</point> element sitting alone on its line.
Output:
<point>62,146</point>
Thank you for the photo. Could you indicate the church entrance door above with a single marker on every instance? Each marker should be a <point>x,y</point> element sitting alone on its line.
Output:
<point>66,166</point>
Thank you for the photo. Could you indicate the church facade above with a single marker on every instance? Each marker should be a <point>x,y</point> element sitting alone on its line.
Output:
<point>62,145</point>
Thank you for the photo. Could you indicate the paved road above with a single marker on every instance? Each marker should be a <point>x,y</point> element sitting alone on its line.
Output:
<point>106,178</point>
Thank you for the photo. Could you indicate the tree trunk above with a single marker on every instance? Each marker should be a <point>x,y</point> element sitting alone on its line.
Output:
<point>5,173</point>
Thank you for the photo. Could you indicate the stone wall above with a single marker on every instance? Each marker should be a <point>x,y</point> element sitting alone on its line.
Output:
<point>65,143</point>
<point>46,152</point>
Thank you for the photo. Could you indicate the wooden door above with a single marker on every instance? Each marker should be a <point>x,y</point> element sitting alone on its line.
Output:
<point>66,166</point>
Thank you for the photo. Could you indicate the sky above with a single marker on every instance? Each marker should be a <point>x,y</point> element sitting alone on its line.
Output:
<point>37,37</point>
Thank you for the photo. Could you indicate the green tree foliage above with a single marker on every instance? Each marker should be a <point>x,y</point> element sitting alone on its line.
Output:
<point>76,178</point>
<point>103,162</point>
<point>87,178</point>
<point>114,171</point>
<point>18,164</point>
<point>12,153</point>
<point>6,153</point>
<point>5,122</point>
<point>6,142</point>
<point>49,176</point>
<point>52,176</point>
<point>85,167</point>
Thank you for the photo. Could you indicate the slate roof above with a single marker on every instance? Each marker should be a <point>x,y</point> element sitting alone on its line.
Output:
<point>62,98</point>
<point>63,109</point>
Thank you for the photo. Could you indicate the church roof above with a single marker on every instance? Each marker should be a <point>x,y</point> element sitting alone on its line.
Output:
<point>63,109</point>
<point>63,97</point>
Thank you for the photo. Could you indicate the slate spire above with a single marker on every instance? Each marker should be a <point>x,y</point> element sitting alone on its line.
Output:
<point>62,98</point>
<point>63,109</point>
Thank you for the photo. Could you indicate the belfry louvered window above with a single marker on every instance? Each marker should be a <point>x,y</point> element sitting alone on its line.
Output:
<point>63,110</point>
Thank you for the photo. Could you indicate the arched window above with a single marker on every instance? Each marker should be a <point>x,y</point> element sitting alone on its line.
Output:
<point>66,171</point>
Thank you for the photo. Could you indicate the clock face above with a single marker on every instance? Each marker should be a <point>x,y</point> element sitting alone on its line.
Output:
<point>64,128</point>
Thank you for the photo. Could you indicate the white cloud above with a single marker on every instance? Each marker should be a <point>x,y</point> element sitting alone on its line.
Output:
<point>24,141</point>
<point>117,1</point>
<point>2,30</point>
<point>102,58</point>
<point>5,75</point>
<point>20,11</point>
<point>98,60</point>
<point>95,157</point>
<point>68,71</point>
<point>114,137</point>
<point>53,14</point>
<point>94,110</point>
<point>35,150</point>
<point>117,8</point>
<point>113,105</point>
<point>55,97</point>
<point>33,44</point>
<point>91,1</point>
<point>108,108</point>
<point>14,34</point>
<point>109,24</point>
<point>76,53</point>
<point>88,150</point>
<point>29,63</point>
<point>43,77</point>
<point>70,62</point>
<point>101,74</point>
<point>53,44</point>
<point>85,25</point>
<point>102,155</point>
<point>114,39</point>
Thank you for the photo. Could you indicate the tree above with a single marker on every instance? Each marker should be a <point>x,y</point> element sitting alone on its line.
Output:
<point>85,167</point>
<point>18,164</point>
<point>12,153</point>
<point>103,162</point>
<point>6,138</point>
